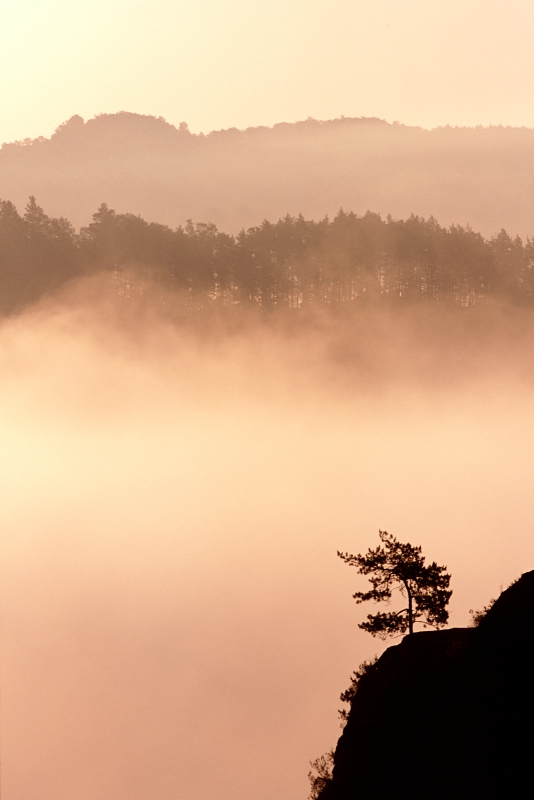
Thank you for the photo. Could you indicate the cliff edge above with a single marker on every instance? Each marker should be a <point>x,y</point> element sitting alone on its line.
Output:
<point>446,714</point>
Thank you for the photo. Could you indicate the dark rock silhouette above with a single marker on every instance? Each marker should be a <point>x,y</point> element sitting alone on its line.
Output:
<point>446,714</point>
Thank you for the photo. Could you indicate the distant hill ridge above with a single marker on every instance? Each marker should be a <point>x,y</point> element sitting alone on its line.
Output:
<point>236,178</point>
<point>129,124</point>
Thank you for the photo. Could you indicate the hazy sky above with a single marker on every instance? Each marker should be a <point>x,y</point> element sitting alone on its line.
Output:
<point>224,63</point>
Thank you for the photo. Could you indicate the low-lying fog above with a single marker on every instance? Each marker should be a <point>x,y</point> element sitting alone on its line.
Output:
<point>175,621</point>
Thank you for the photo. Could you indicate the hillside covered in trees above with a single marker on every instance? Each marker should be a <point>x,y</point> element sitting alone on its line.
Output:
<point>294,263</point>
<point>236,178</point>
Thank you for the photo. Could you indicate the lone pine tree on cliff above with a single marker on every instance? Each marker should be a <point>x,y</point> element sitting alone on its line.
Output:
<point>393,565</point>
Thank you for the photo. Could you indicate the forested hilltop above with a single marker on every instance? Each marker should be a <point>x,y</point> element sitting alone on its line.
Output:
<point>294,263</point>
<point>237,178</point>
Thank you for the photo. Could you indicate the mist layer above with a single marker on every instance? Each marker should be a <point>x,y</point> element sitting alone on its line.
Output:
<point>175,620</point>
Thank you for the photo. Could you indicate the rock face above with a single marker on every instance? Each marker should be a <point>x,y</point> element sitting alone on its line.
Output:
<point>447,714</point>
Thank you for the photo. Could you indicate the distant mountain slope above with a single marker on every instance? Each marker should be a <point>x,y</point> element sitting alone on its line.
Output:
<point>144,165</point>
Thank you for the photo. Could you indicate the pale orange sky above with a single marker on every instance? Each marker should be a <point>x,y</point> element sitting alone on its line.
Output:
<point>236,63</point>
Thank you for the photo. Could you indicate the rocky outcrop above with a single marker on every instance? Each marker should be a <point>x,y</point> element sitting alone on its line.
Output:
<point>447,714</point>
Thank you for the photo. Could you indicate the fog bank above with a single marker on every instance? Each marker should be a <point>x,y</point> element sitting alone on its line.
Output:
<point>175,622</point>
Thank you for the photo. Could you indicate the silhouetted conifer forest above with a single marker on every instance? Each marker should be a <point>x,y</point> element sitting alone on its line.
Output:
<point>293,263</point>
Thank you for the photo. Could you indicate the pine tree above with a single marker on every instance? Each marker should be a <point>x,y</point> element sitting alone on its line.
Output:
<point>394,565</point>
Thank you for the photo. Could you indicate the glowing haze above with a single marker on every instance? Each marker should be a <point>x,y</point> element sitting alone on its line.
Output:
<point>223,63</point>
<point>175,621</point>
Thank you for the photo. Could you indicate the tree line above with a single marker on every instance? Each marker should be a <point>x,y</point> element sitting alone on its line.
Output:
<point>293,263</point>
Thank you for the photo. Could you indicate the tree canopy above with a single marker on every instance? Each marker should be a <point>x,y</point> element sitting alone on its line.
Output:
<point>394,565</point>
<point>293,263</point>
